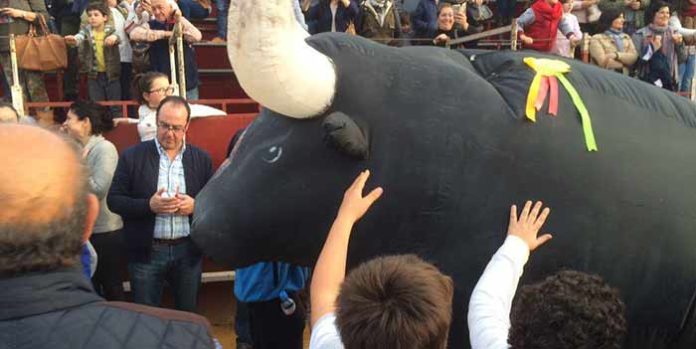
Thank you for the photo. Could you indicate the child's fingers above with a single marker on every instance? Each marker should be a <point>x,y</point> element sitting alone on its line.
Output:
<point>525,210</point>
<point>542,218</point>
<point>535,211</point>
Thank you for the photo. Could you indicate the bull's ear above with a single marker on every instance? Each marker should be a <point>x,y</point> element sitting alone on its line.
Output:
<point>343,133</point>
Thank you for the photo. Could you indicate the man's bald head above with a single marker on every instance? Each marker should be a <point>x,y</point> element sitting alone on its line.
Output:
<point>44,198</point>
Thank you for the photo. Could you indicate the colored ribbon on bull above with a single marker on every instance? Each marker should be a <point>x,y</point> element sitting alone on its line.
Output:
<point>545,82</point>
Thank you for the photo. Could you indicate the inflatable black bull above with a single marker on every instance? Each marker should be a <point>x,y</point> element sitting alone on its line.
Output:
<point>444,133</point>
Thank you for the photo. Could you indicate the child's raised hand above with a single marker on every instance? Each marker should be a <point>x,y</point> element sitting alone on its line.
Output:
<point>527,226</point>
<point>70,40</point>
<point>354,205</point>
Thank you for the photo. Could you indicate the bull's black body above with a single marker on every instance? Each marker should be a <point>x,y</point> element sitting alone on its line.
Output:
<point>451,147</point>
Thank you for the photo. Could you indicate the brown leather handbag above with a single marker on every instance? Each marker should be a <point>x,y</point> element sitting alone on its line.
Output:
<point>41,52</point>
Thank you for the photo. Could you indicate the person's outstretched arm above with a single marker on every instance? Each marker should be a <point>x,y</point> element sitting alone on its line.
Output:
<point>331,265</point>
<point>489,306</point>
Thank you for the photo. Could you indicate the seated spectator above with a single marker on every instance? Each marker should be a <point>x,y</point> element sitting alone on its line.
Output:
<point>634,14</point>
<point>563,46</point>
<point>150,89</point>
<point>332,16</point>
<point>424,22</point>
<point>612,48</point>
<point>47,215</point>
<point>8,114</point>
<point>380,21</point>
<point>86,122</point>
<point>478,14</point>
<point>100,58</point>
<point>388,302</point>
<point>158,31</point>
<point>541,34</point>
<point>450,24</point>
<point>567,310</point>
<point>658,45</point>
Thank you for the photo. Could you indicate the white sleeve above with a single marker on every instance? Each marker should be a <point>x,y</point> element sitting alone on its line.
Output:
<point>491,300</point>
<point>325,334</point>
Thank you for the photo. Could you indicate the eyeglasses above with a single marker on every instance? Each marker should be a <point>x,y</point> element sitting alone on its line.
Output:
<point>168,90</point>
<point>163,126</point>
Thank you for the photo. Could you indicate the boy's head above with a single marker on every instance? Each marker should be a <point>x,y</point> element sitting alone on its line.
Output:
<point>97,15</point>
<point>395,302</point>
<point>569,309</point>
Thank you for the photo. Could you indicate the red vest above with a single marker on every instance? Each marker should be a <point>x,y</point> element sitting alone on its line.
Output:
<point>545,26</point>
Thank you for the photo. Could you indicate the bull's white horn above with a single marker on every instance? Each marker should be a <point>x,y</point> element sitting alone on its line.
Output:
<point>272,61</point>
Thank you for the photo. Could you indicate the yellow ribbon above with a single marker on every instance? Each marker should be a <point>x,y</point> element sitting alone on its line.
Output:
<point>551,67</point>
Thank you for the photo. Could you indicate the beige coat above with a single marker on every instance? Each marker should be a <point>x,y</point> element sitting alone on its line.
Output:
<point>603,50</point>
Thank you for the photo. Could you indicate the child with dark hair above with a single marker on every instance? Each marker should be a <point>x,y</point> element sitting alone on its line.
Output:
<point>388,302</point>
<point>99,55</point>
<point>590,312</point>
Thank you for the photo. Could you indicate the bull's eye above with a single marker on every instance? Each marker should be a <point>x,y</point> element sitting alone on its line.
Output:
<point>273,154</point>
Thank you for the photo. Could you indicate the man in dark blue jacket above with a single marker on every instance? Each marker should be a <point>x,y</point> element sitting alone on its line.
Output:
<point>424,21</point>
<point>45,299</point>
<point>153,190</point>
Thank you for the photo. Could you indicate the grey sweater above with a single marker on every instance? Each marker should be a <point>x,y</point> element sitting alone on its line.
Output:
<point>101,160</point>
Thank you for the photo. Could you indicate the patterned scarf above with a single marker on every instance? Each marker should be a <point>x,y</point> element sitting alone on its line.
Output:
<point>616,36</point>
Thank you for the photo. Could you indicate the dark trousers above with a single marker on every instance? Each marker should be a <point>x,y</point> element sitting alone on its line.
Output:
<point>103,89</point>
<point>272,329</point>
<point>108,278</point>
<point>70,25</point>
<point>179,265</point>
<point>241,324</point>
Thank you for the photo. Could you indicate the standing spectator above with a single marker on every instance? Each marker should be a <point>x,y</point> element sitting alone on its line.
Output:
<point>15,18</point>
<point>563,46</point>
<point>379,20</point>
<point>222,6</point>
<point>332,16</point>
<point>635,15</point>
<point>271,308</point>
<point>86,122</point>
<point>67,20</point>
<point>658,45</point>
<point>587,13</point>
<point>612,48</point>
<point>46,301</point>
<point>424,22</point>
<point>541,34</point>
<point>158,31</point>
<point>100,58</point>
<point>154,190</point>
<point>119,14</point>
<point>450,25</point>
<point>591,311</point>
<point>506,11</point>
<point>684,20</point>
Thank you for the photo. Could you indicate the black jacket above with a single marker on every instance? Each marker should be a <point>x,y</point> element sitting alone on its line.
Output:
<point>135,180</point>
<point>59,309</point>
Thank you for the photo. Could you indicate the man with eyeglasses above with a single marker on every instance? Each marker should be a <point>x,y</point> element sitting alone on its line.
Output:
<point>154,23</point>
<point>154,190</point>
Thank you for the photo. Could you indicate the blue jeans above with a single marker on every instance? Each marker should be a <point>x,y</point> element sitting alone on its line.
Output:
<point>179,265</point>
<point>193,10</point>
<point>192,95</point>
<point>222,17</point>
<point>686,73</point>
